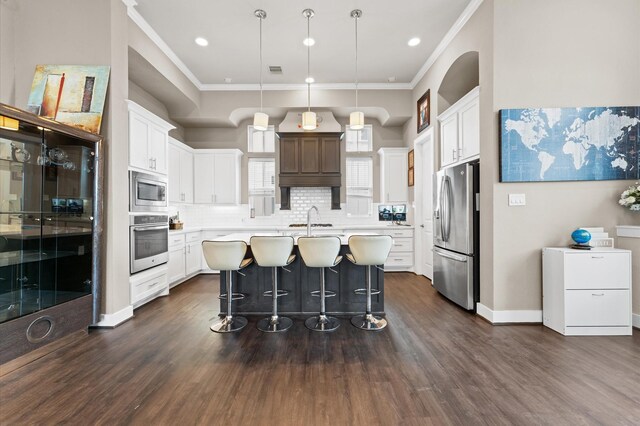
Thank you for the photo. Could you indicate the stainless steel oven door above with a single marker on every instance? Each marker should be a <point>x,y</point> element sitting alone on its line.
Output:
<point>147,192</point>
<point>149,247</point>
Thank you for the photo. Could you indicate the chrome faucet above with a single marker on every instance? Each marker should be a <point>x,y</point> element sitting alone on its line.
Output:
<point>309,219</point>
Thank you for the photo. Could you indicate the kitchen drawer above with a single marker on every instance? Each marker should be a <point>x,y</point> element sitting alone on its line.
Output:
<point>176,241</point>
<point>594,308</point>
<point>397,233</point>
<point>402,245</point>
<point>597,270</point>
<point>399,259</point>
<point>142,289</point>
<point>212,235</point>
<point>193,237</point>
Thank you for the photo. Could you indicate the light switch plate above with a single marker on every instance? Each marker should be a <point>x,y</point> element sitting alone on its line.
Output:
<point>517,200</point>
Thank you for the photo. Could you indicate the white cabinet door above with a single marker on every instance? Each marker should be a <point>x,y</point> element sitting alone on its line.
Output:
<point>139,129</point>
<point>176,265</point>
<point>396,178</point>
<point>186,176</point>
<point>203,165</point>
<point>597,308</point>
<point>193,258</point>
<point>449,140</point>
<point>175,174</point>
<point>158,149</point>
<point>469,118</point>
<point>224,179</point>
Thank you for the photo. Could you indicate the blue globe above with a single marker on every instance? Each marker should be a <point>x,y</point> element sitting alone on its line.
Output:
<point>581,236</point>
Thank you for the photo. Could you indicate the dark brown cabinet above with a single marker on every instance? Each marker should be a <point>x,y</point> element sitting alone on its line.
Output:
<point>310,160</point>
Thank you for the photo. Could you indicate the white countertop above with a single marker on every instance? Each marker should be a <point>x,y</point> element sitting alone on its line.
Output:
<point>246,236</point>
<point>277,228</point>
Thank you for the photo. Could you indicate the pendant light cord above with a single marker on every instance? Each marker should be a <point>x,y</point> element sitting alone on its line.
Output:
<point>260,64</point>
<point>356,18</point>
<point>308,63</point>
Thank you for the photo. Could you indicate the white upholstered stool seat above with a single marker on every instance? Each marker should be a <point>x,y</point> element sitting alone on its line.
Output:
<point>321,252</point>
<point>368,251</point>
<point>273,252</point>
<point>227,256</point>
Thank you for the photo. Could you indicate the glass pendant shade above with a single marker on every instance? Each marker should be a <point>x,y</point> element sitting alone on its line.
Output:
<point>309,120</point>
<point>356,120</point>
<point>260,121</point>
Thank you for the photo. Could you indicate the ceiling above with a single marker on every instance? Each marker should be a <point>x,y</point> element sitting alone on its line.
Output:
<point>232,31</point>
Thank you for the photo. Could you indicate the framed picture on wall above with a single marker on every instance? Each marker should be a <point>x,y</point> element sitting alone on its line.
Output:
<point>424,110</point>
<point>411,159</point>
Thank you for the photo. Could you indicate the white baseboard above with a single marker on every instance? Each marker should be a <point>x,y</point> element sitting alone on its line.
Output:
<point>636,320</point>
<point>115,319</point>
<point>507,317</point>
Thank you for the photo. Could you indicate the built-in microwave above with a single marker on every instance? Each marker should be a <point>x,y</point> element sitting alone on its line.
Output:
<point>147,193</point>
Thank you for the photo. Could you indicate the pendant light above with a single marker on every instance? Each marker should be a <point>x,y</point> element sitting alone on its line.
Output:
<point>356,119</point>
<point>308,117</point>
<point>260,119</point>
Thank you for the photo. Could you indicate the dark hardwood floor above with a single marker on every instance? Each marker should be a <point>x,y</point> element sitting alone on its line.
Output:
<point>434,364</point>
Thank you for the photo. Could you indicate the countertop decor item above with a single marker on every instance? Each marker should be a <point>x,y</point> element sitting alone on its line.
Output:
<point>631,197</point>
<point>582,238</point>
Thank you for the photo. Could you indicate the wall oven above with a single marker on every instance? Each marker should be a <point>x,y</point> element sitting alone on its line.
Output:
<point>149,241</point>
<point>147,193</point>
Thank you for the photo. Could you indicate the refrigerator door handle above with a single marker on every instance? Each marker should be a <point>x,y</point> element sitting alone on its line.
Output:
<point>451,256</point>
<point>446,219</point>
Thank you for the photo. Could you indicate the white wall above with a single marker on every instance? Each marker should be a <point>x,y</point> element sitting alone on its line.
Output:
<point>7,51</point>
<point>146,100</point>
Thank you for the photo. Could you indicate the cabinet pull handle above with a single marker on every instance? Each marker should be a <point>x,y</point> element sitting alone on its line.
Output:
<point>453,153</point>
<point>597,294</point>
<point>597,257</point>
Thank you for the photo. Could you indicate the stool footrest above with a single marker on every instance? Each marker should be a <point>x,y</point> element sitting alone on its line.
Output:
<point>327,293</point>
<point>279,293</point>
<point>363,291</point>
<point>234,296</point>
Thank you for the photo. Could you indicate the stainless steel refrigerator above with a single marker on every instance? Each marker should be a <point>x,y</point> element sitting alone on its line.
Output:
<point>456,237</point>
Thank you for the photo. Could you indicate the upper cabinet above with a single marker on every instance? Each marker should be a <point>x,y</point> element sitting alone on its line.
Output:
<point>460,130</point>
<point>310,159</point>
<point>148,140</point>
<point>394,185</point>
<point>216,174</point>
<point>180,172</point>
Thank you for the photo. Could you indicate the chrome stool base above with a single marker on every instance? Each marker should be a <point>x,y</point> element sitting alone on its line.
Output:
<point>226,325</point>
<point>322,323</point>
<point>369,322</point>
<point>268,325</point>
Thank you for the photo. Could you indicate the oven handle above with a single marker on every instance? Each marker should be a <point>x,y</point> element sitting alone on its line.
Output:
<point>150,228</point>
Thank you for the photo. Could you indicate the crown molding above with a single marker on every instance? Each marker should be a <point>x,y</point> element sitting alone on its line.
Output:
<point>464,17</point>
<point>164,47</point>
<point>302,86</point>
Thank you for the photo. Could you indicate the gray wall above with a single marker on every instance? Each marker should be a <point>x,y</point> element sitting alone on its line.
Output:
<point>237,138</point>
<point>146,100</point>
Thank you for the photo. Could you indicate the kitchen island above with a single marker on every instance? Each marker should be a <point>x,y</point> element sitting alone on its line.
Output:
<point>300,282</point>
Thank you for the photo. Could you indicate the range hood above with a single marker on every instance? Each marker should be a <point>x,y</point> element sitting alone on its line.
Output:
<point>310,158</point>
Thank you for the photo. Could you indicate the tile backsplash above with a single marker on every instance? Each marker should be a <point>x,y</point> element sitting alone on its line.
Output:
<point>301,200</point>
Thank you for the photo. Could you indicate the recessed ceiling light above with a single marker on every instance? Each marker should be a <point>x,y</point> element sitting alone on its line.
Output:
<point>308,41</point>
<point>309,80</point>
<point>414,42</point>
<point>201,41</point>
<point>391,79</point>
<point>227,79</point>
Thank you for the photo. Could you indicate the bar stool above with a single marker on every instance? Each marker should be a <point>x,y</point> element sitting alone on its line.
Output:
<point>273,252</point>
<point>227,256</point>
<point>369,250</point>
<point>321,252</point>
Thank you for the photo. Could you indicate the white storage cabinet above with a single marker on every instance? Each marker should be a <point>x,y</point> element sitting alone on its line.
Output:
<point>460,130</point>
<point>217,176</point>
<point>587,292</point>
<point>180,172</point>
<point>148,140</point>
<point>394,184</point>
<point>177,255</point>
<point>148,285</point>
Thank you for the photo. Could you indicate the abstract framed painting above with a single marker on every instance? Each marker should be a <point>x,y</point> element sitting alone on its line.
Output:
<point>70,94</point>
<point>569,144</point>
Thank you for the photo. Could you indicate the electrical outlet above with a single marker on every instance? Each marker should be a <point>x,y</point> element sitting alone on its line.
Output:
<point>517,200</point>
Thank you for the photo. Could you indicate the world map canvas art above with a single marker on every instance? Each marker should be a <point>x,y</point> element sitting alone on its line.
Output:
<point>569,144</point>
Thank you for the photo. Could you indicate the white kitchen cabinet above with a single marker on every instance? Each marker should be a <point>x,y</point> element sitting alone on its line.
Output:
<point>147,285</point>
<point>460,130</point>
<point>180,172</point>
<point>402,251</point>
<point>394,185</point>
<point>148,139</point>
<point>193,255</point>
<point>176,263</point>
<point>217,176</point>
<point>587,292</point>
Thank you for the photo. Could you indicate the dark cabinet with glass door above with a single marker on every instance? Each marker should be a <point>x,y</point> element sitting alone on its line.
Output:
<point>48,235</point>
